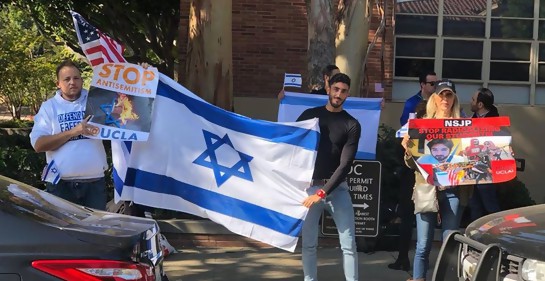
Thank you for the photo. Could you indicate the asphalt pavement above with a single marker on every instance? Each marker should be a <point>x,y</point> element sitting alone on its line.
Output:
<point>244,264</point>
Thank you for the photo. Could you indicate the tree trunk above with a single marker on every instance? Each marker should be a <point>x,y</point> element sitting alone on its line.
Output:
<point>209,52</point>
<point>321,40</point>
<point>15,111</point>
<point>351,40</point>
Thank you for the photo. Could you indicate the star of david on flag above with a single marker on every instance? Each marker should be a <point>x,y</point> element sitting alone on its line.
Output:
<point>108,110</point>
<point>209,159</point>
<point>293,80</point>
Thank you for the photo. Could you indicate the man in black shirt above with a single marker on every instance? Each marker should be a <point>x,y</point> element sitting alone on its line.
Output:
<point>339,136</point>
<point>484,200</point>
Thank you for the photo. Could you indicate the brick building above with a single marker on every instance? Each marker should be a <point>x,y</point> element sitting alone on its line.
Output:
<point>270,39</point>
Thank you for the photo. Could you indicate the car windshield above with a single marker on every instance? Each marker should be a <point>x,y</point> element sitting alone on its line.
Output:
<point>20,199</point>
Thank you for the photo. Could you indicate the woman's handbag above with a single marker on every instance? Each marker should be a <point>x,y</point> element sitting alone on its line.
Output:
<point>425,198</point>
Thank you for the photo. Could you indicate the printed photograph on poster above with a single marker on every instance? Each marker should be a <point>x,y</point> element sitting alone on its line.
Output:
<point>471,153</point>
<point>119,110</point>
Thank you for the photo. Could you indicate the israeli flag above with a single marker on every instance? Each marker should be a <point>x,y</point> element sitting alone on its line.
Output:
<point>405,128</point>
<point>365,110</point>
<point>51,173</point>
<point>293,80</point>
<point>402,131</point>
<point>248,175</point>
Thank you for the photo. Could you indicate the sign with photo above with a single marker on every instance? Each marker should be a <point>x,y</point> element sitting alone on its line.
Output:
<point>451,152</point>
<point>121,100</point>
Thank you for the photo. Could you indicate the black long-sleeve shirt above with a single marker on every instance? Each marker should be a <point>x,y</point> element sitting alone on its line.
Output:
<point>339,137</point>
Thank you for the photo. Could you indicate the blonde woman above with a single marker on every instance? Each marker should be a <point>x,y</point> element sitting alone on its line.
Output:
<point>442,104</point>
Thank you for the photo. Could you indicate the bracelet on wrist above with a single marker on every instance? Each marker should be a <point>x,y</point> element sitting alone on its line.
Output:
<point>321,193</point>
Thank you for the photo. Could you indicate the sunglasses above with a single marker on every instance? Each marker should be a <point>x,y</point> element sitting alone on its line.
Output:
<point>432,83</point>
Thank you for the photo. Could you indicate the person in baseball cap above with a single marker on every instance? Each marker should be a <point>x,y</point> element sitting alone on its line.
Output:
<point>442,104</point>
<point>445,84</point>
<point>444,101</point>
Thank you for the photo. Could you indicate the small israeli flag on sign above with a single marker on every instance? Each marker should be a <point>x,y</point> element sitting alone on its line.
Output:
<point>405,128</point>
<point>293,80</point>
<point>402,131</point>
<point>51,173</point>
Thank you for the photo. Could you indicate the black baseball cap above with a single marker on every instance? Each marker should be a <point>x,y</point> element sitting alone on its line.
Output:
<point>445,84</point>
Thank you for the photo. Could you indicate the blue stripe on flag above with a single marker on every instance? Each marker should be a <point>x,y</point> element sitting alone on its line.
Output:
<point>292,85</point>
<point>118,182</point>
<point>216,202</point>
<point>48,169</point>
<point>360,155</point>
<point>273,132</point>
<point>313,101</point>
<point>57,179</point>
<point>128,145</point>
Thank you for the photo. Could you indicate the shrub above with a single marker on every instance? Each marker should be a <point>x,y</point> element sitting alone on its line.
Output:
<point>16,123</point>
<point>22,164</point>
<point>390,154</point>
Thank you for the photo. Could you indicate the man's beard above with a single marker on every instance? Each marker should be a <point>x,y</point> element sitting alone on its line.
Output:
<point>70,96</point>
<point>336,105</point>
<point>441,158</point>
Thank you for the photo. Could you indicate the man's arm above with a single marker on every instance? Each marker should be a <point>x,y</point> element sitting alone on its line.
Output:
<point>304,116</point>
<point>405,115</point>
<point>53,142</point>
<point>348,155</point>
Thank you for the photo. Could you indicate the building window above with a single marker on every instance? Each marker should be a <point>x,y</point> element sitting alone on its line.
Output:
<point>454,26</point>
<point>541,71</point>
<point>476,42</point>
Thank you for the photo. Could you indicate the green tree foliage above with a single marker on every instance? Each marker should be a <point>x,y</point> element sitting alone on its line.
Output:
<point>29,61</point>
<point>27,70</point>
<point>147,29</point>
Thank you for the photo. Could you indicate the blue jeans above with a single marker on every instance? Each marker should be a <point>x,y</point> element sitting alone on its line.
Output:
<point>484,201</point>
<point>339,205</point>
<point>450,210</point>
<point>91,194</point>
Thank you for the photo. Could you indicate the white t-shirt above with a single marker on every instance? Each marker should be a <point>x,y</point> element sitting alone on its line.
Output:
<point>80,157</point>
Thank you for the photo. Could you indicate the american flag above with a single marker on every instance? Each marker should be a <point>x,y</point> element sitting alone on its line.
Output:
<point>97,46</point>
<point>453,176</point>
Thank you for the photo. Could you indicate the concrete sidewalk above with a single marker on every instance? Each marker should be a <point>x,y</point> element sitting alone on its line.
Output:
<point>245,263</point>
